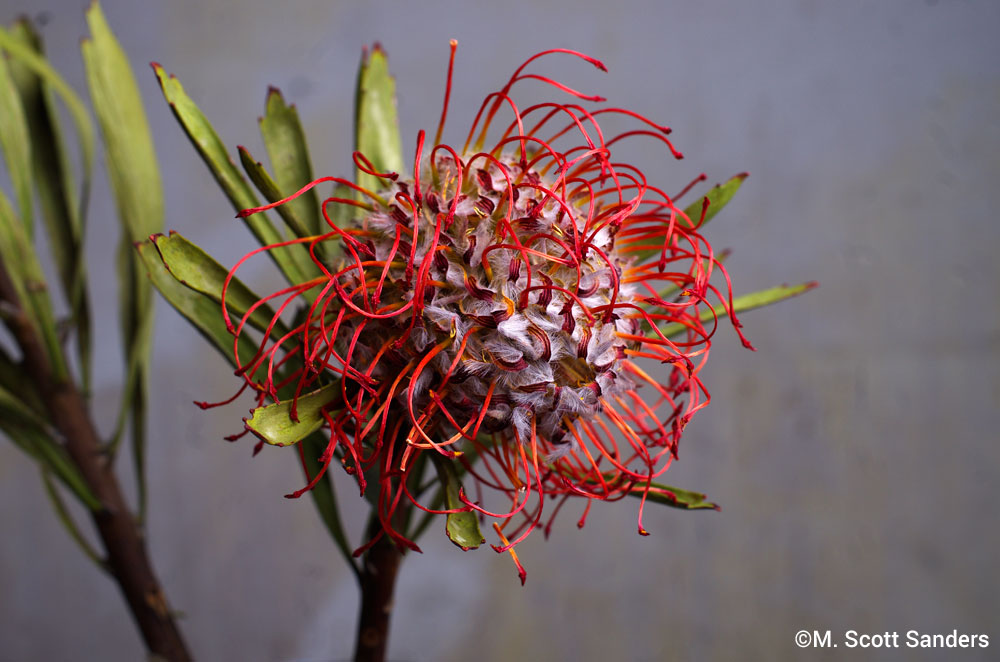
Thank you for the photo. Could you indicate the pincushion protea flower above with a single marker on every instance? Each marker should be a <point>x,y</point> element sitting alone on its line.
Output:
<point>493,314</point>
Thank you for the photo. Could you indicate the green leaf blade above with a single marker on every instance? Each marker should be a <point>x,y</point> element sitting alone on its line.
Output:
<point>285,141</point>
<point>204,314</point>
<point>262,179</point>
<point>718,197</point>
<point>30,432</point>
<point>673,497</point>
<point>54,182</point>
<point>18,257</point>
<point>209,146</point>
<point>31,59</point>
<point>462,528</point>
<point>376,126</point>
<point>744,303</point>
<point>14,139</point>
<point>324,497</point>
<point>276,425</point>
<point>196,269</point>
<point>132,163</point>
<point>135,181</point>
<point>66,519</point>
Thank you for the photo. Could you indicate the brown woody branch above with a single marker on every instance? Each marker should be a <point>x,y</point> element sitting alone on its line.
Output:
<point>123,540</point>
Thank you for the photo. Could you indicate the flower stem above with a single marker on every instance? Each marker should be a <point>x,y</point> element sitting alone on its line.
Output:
<point>379,569</point>
<point>123,540</point>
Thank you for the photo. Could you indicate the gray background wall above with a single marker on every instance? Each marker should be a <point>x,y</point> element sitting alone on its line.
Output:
<point>855,454</point>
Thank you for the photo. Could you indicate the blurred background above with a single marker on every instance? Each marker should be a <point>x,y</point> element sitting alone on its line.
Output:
<point>855,455</point>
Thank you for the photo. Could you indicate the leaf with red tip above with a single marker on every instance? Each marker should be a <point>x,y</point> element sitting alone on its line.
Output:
<point>291,215</point>
<point>275,425</point>
<point>199,309</point>
<point>196,269</point>
<point>376,127</point>
<point>673,497</point>
<point>214,154</point>
<point>462,528</point>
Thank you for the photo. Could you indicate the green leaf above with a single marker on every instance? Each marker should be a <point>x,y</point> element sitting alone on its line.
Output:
<point>287,148</point>
<point>15,143</point>
<point>463,527</point>
<point>28,56</point>
<point>132,165</point>
<point>718,197</point>
<point>18,257</point>
<point>66,519</point>
<point>135,182</point>
<point>54,181</point>
<point>673,497</point>
<point>18,411</point>
<point>269,189</point>
<point>15,380</point>
<point>203,312</point>
<point>213,152</point>
<point>376,127</point>
<point>31,434</point>
<point>275,425</point>
<point>196,269</point>
<point>742,304</point>
<point>324,498</point>
<point>343,215</point>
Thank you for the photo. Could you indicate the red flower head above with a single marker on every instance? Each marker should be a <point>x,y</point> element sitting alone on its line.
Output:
<point>493,309</point>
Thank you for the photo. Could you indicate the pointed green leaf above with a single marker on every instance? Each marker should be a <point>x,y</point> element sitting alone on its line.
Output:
<point>135,182</point>
<point>15,144</point>
<point>376,127</point>
<point>17,411</point>
<point>274,423</point>
<point>463,527</point>
<point>31,434</point>
<point>673,497</point>
<point>66,519</point>
<point>15,380</point>
<point>323,496</point>
<point>213,152</point>
<point>18,257</point>
<point>718,196</point>
<point>54,181</point>
<point>203,312</point>
<point>287,148</point>
<point>744,303</point>
<point>132,165</point>
<point>196,269</point>
<point>28,56</point>
<point>269,189</point>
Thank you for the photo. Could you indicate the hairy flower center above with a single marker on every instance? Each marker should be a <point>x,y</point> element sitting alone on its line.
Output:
<point>513,283</point>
